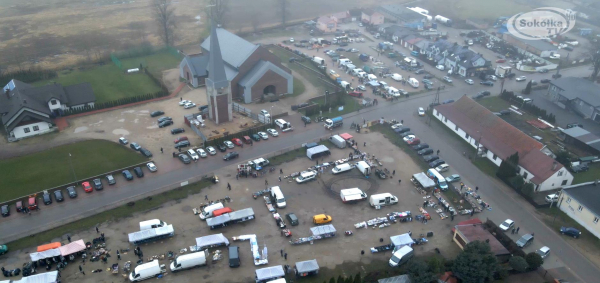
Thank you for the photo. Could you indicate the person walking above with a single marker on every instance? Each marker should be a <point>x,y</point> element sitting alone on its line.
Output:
<point>69,238</point>
<point>161,150</point>
<point>399,181</point>
<point>97,230</point>
<point>118,255</point>
<point>237,176</point>
<point>266,183</point>
<point>438,152</point>
<point>518,230</point>
<point>81,270</point>
<point>365,144</point>
<point>394,173</point>
<point>280,171</point>
<point>205,197</point>
<point>281,251</point>
<point>476,188</point>
<point>229,186</point>
<point>285,256</point>
<point>513,230</point>
<point>279,178</point>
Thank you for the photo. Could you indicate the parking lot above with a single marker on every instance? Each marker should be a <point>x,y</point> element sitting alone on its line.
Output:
<point>305,200</point>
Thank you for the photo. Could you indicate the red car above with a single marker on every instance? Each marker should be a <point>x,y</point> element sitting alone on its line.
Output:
<point>500,61</point>
<point>355,94</point>
<point>86,187</point>
<point>177,140</point>
<point>237,141</point>
<point>414,141</point>
<point>247,140</point>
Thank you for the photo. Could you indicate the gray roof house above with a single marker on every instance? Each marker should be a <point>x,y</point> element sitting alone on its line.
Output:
<point>28,110</point>
<point>582,203</point>
<point>578,94</point>
<point>251,69</point>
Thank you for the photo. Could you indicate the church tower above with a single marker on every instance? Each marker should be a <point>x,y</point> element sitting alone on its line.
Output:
<point>218,88</point>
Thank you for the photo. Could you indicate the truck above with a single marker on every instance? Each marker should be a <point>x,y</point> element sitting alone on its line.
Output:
<point>384,199</point>
<point>150,224</point>
<point>150,235</point>
<point>364,168</point>
<point>318,60</point>
<point>283,125</point>
<point>334,122</point>
<point>338,141</point>
<point>443,20</point>
<point>503,71</point>
<point>207,212</point>
<point>413,82</point>
<point>352,195</point>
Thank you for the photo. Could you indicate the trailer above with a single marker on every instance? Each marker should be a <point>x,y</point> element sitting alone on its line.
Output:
<point>241,215</point>
<point>150,235</point>
<point>352,195</point>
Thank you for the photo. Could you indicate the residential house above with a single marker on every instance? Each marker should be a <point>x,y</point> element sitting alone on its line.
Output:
<point>581,202</point>
<point>327,24</point>
<point>465,234</point>
<point>371,17</point>
<point>465,62</point>
<point>538,47</point>
<point>578,94</point>
<point>497,140</point>
<point>251,69</point>
<point>29,111</point>
<point>342,17</point>
<point>421,46</point>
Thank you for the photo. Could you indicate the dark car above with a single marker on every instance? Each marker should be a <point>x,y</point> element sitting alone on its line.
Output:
<point>420,146</point>
<point>436,163</point>
<point>545,81</point>
<point>504,112</point>
<point>426,81</point>
<point>448,101</point>
<point>165,123</point>
<point>406,134</point>
<point>428,86</point>
<point>98,184</point>
<point>5,210</point>
<point>425,151</point>
<point>430,158</point>
<point>135,146</point>
<point>58,196</point>
<point>477,96</point>
<point>222,147</point>
<point>580,168</point>
<point>201,108</point>
<point>306,119</point>
<point>419,71</point>
<point>127,175</point>
<point>138,172</point>
<point>525,241</point>
<point>234,256</point>
<point>72,192</point>
<point>230,155</point>
<point>111,180</point>
<point>255,137</point>
<point>182,144</point>
<point>292,218</point>
<point>177,131</point>
<point>156,113</point>
<point>485,93</point>
<point>47,198</point>
<point>145,152</point>
<point>402,130</point>
<point>570,231</point>
<point>428,76</point>
<point>556,76</point>
<point>162,119</point>
<point>185,159</point>
<point>488,83</point>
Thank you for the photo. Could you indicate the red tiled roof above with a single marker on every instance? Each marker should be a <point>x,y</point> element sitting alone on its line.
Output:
<point>326,19</point>
<point>478,233</point>
<point>540,165</point>
<point>341,15</point>
<point>467,222</point>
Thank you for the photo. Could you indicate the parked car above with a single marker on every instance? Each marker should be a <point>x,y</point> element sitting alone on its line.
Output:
<point>359,87</point>
<point>162,119</point>
<point>201,152</point>
<point>127,175</point>
<point>211,150</point>
<point>487,83</point>
<point>145,152</point>
<point>183,102</point>
<point>273,132</point>
<point>447,79</point>
<point>570,231</point>
<point>236,141</point>
<point>421,111</point>
<point>430,158</point>
<point>504,112</point>
<point>180,139</point>
<point>442,168</point>
<point>406,134</point>
<point>521,79</point>
<point>453,178</point>
<point>165,123</point>
<point>477,96</point>
<point>189,105</point>
<point>402,130</point>
<point>425,151</point>
<point>419,71</point>
<point>177,131</point>
<point>420,146</point>
<point>47,198</point>
<point>182,144</point>
<point>135,146</point>
<point>111,180</point>
<point>543,252</point>
<point>507,224</point>
<point>552,198</point>
<point>544,81</point>
<point>414,141</point>
<point>580,168</point>
<point>255,137</point>
<point>525,241</point>
<point>86,187</point>
<point>485,93</point>
<point>292,219</point>
<point>469,81</point>
<point>440,67</point>
<point>448,101</point>
<point>123,140</point>
<point>185,159</point>
<point>72,192</point>
<point>58,196</point>
<point>222,147</point>
<point>97,184</point>
<point>263,135</point>
<point>151,167</point>
<point>426,81</point>
<point>436,163</point>
<point>156,113</point>
<point>321,219</point>
<point>428,76</point>
<point>192,153</point>
<point>543,70</point>
<point>230,155</point>
<point>229,144</point>
<point>396,126</point>
<point>138,172</point>
<point>5,210</point>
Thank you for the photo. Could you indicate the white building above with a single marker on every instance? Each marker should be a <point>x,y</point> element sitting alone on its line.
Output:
<point>497,140</point>
<point>29,111</point>
<point>582,203</point>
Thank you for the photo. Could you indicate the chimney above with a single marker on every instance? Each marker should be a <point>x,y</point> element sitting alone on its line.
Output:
<point>554,166</point>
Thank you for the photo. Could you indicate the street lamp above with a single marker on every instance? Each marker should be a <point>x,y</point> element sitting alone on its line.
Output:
<point>72,169</point>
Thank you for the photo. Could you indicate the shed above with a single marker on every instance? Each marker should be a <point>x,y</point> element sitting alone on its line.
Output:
<point>212,240</point>
<point>308,266</point>
<point>425,181</point>
<point>322,230</point>
<point>401,240</point>
<point>317,151</point>
<point>271,272</point>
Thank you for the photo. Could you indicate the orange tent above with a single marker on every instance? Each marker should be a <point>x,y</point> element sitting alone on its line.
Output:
<point>48,246</point>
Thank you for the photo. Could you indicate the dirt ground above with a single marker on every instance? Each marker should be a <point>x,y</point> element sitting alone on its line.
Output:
<point>305,200</point>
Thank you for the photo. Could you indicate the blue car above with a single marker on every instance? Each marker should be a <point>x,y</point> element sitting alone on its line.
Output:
<point>570,231</point>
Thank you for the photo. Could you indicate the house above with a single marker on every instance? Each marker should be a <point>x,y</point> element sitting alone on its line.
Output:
<point>465,62</point>
<point>421,46</point>
<point>497,140</point>
<point>327,24</point>
<point>582,203</point>
<point>371,17</point>
<point>403,14</point>
<point>464,234</point>
<point>342,17</point>
<point>578,94</point>
<point>251,69</point>
<point>29,111</point>
<point>538,47</point>
<point>582,139</point>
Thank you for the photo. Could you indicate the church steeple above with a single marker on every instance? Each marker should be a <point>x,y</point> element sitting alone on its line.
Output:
<point>216,67</point>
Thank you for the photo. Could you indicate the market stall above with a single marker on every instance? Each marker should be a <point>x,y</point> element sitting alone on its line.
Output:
<point>254,248</point>
<point>399,241</point>
<point>318,233</point>
<point>269,273</point>
<point>306,268</point>
<point>210,241</point>
<point>421,180</point>
<point>48,277</point>
<point>73,247</point>
<point>44,254</point>
<point>48,246</point>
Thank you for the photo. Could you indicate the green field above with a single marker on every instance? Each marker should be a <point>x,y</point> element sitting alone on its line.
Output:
<point>156,63</point>
<point>108,82</point>
<point>25,175</point>
<point>312,77</point>
<point>351,104</point>
<point>484,10</point>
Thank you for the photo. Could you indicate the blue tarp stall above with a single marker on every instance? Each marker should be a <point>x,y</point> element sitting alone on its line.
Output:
<point>317,151</point>
<point>373,83</point>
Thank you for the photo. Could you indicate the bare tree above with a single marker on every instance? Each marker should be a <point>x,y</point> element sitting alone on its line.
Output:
<point>165,19</point>
<point>217,9</point>
<point>283,10</point>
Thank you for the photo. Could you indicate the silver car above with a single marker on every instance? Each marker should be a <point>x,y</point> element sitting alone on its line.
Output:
<point>211,150</point>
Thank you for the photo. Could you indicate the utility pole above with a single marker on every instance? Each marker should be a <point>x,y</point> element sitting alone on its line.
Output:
<point>436,101</point>
<point>501,86</point>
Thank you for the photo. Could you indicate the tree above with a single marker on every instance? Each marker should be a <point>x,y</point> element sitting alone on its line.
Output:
<point>508,167</point>
<point>165,19</point>
<point>527,89</point>
<point>332,280</point>
<point>562,157</point>
<point>283,10</point>
<point>217,10</point>
<point>534,260</point>
<point>475,263</point>
<point>528,189</point>
<point>341,279</point>
<point>518,263</point>
<point>517,182</point>
<point>436,264</point>
<point>357,278</point>
<point>419,272</point>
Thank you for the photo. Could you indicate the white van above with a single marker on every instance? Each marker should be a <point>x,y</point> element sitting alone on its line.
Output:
<point>383,199</point>
<point>362,74</point>
<point>371,77</point>
<point>344,61</point>
<point>342,168</point>
<point>318,60</point>
<point>393,91</point>
<point>355,72</point>
<point>413,82</point>
<point>145,271</point>
<point>207,213</point>
<point>345,84</point>
<point>151,224</point>
<point>189,261</point>
<point>397,77</point>
<point>384,85</point>
<point>278,196</point>
<point>306,176</point>
<point>401,256</point>
<point>258,163</point>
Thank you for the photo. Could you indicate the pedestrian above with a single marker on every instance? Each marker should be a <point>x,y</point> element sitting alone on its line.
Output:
<point>279,178</point>
<point>205,197</point>
<point>181,99</point>
<point>280,171</point>
<point>118,255</point>
<point>281,251</point>
<point>365,144</point>
<point>285,256</point>
<point>229,186</point>
<point>69,238</point>
<point>161,150</point>
<point>518,230</point>
<point>402,122</point>
<point>266,183</point>
<point>399,181</point>
<point>438,152</point>
<point>81,270</point>
<point>513,230</point>
<point>135,252</point>
<point>394,173</point>
<point>97,230</point>
<point>476,188</point>
<point>532,234</point>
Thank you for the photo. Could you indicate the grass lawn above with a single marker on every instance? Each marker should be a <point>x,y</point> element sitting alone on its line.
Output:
<point>485,165</point>
<point>312,77</point>
<point>299,87</point>
<point>156,63</point>
<point>351,104</point>
<point>25,175</point>
<point>488,10</point>
<point>108,82</point>
<point>110,215</point>
<point>588,176</point>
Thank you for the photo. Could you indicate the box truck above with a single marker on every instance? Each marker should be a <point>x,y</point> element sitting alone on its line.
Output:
<point>338,141</point>
<point>364,168</point>
<point>318,60</point>
<point>334,122</point>
<point>188,261</point>
<point>352,195</point>
<point>383,199</point>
